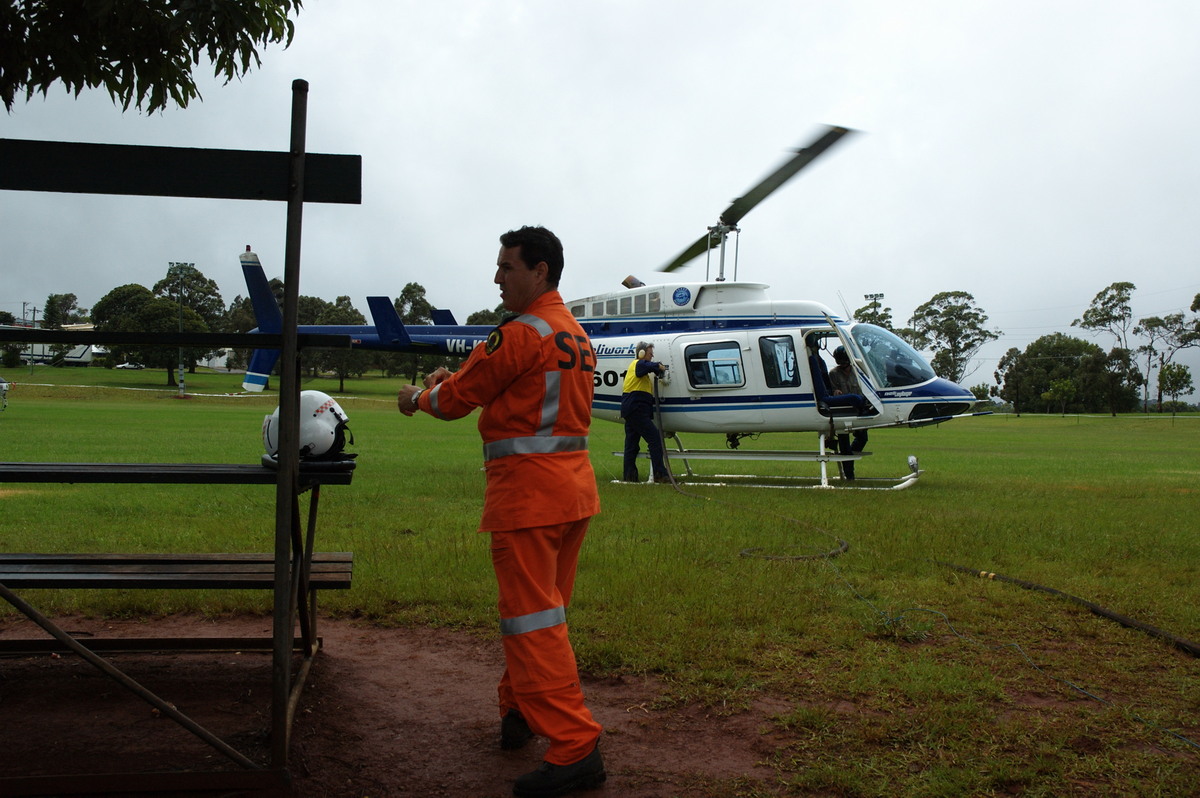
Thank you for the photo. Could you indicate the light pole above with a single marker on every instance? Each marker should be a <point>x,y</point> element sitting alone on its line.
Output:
<point>32,325</point>
<point>874,300</point>
<point>179,266</point>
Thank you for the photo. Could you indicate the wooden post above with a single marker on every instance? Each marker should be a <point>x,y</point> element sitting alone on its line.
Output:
<point>287,491</point>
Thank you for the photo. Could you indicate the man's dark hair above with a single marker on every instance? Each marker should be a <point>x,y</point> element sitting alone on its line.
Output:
<point>537,244</point>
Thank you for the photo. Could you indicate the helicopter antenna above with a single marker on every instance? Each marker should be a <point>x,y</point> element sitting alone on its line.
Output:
<point>845,307</point>
<point>744,204</point>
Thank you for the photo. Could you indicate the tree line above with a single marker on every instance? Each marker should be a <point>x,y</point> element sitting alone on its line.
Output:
<point>1055,373</point>
<point>187,301</point>
<point>1058,372</point>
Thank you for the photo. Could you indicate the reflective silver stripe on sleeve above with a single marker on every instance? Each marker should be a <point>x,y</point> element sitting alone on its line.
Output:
<point>533,621</point>
<point>433,401</point>
<point>536,444</point>
<point>536,322</point>
<point>550,403</point>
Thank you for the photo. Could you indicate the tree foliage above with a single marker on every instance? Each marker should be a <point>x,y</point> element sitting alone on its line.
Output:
<point>1110,312</point>
<point>952,327</point>
<point>134,308</point>
<point>142,52</point>
<point>1174,380</point>
<point>413,308</point>
<point>163,315</point>
<point>489,317</point>
<point>186,284</point>
<point>1025,377</point>
<point>188,288</point>
<point>239,318</point>
<point>60,310</point>
<point>873,314</point>
<point>1061,392</point>
<point>342,362</point>
<point>1161,337</point>
<point>10,351</point>
<point>1114,378</point>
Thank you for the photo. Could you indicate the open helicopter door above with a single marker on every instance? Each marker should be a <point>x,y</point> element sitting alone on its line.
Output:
<point>868,392</point>
<point>860,366</point>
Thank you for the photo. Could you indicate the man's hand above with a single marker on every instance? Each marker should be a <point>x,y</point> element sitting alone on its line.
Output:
<point>404,399</point>
<point>438,375</point>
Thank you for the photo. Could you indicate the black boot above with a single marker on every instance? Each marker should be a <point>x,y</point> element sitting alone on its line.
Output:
<point>514,731</point>
<point>549,780</point>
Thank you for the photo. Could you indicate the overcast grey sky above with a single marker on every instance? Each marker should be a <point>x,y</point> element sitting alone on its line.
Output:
<point>1030,153</point>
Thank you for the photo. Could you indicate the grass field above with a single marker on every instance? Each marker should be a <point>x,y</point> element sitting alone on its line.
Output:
<point>903,676</point>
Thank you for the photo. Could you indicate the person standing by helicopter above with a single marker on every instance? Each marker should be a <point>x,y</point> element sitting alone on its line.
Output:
<point>637,409</point>
<point>844,381</point>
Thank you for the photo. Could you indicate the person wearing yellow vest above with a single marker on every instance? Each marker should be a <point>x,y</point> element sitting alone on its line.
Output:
<point>637,409</point>
<point>534,380</point>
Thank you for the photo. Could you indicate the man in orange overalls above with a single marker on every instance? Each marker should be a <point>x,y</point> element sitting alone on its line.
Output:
<point>534,380</point>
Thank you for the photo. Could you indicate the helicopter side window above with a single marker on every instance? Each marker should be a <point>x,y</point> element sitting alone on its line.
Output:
<point>779,361</point>
<point>715,365</point>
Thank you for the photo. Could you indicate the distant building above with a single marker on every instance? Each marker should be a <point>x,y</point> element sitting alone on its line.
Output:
<point>81,355</point>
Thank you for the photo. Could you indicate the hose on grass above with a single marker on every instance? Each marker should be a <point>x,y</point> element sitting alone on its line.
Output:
<point>843,546</point>
<point>1178,642</point>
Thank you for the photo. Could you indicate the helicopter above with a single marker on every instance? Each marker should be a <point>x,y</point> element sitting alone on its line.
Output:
<point>739,363</point>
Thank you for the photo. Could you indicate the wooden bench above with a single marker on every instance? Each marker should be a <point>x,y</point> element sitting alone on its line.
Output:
<point>330,570</point>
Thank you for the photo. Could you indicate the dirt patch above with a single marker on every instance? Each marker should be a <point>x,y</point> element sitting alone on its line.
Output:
<point>386,712</point>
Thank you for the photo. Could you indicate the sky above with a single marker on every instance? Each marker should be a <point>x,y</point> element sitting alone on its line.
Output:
<point>1028,153</point>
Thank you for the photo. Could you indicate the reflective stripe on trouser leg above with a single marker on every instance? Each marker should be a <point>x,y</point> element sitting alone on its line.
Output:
<point>535,571</point>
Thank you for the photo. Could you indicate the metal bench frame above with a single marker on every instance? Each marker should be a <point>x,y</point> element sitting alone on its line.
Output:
<point>220,174</point>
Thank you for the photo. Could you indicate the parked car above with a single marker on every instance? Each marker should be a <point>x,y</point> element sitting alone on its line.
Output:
<point>130,366</point>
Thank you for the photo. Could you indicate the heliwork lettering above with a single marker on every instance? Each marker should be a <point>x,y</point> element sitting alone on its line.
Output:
<point>609,349</point>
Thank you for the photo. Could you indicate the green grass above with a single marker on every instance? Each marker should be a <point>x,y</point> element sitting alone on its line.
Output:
<point>900,676</point>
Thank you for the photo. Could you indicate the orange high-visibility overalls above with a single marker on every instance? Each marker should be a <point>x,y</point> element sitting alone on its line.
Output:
<point>534,380</point>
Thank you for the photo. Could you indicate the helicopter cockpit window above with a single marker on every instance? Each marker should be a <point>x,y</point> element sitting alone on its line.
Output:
<point>779,361</point>
<point>893,363</point>
<point>715,365</point>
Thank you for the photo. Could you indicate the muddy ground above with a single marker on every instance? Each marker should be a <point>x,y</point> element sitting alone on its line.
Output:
<point>385,712</point>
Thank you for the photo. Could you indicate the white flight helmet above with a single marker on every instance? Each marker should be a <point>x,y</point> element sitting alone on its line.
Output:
<point>322,428</point>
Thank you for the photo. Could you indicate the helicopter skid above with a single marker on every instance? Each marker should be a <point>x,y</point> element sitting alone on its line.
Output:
<point>822,481</point>
<point>792,483</point>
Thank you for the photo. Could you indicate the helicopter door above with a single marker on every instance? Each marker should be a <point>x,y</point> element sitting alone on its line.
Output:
<point>860,368</point>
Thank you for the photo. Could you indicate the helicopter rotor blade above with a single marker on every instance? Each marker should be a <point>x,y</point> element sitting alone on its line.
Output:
<point>703,244</point>
<point>745,203</point>
<point>803,157</point>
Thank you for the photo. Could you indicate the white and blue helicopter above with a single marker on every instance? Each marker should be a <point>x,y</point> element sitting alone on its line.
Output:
<point>739,362</point>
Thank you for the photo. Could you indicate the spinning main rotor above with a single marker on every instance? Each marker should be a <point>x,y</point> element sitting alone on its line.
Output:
<point>716,235</point>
